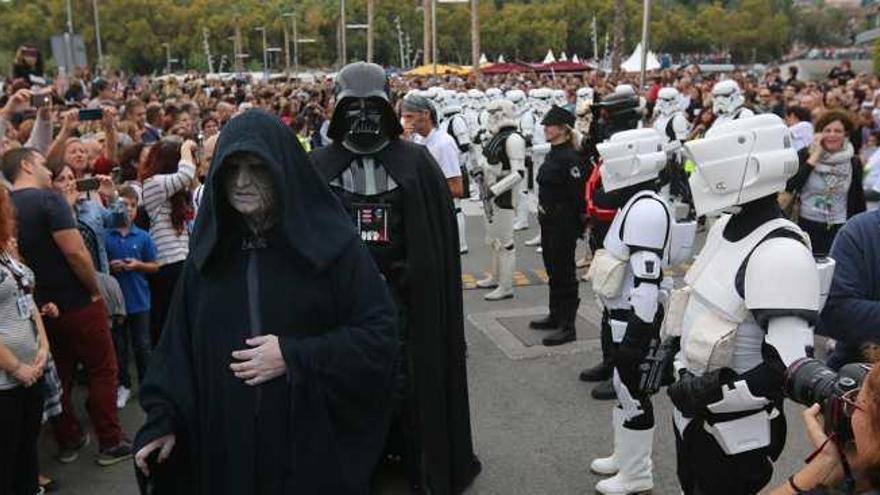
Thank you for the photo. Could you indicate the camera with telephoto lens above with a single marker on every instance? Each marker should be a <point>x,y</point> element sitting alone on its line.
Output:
<point>808,381</point>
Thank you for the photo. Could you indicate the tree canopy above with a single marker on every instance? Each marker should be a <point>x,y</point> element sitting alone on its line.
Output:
<point>133,31</point>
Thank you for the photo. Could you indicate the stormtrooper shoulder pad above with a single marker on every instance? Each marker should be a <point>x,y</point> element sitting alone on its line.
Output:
<point>646,224</point>
<point>515,147</point>
<point>781,278</point>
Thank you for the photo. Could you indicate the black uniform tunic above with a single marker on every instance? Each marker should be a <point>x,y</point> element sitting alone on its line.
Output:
<point>560,195</point>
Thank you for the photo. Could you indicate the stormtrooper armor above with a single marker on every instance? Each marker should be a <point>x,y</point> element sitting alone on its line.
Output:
<point>627,274</point>
<point>493,94</point>
<point>583,117</point>
<point>747,312</point>
<point>455,124</point>
<point>526,123</point>
<point>541,103</point>
<point>727,102</point>
<point>502,173</point>
<point>559,97</point>
<point>584,94</point>
<point>672,124</point>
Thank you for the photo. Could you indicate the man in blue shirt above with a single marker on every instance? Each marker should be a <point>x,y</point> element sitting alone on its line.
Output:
<point>132,255</point>
<point>852,313</point>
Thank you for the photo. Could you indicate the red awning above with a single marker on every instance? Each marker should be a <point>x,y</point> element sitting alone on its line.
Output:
<point>504,68</point>
<point>566,66</point>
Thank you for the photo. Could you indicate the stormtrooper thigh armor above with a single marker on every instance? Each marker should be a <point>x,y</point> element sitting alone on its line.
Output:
<point>527,126</point>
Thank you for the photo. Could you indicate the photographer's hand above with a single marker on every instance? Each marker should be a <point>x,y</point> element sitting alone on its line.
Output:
<point>824,468</point>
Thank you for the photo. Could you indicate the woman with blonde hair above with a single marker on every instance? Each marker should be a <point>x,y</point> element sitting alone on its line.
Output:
<point>24,353</point>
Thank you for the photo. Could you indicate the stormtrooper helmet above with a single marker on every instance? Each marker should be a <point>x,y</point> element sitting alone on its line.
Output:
<point>726,97</point>
<point>540,100</point>
<point>631,157</point>
<point>741,161</point>
<point>450,103</point>
<point>518,98</point>
<point>667,101</point>
<point>584,117</point>
<point>476,98</point>
<point>463,99</point>
<point>559,97</point>
<point>494,94</point>
<point>363,120</point>
<point>584,94</point>
<point>502,114</point>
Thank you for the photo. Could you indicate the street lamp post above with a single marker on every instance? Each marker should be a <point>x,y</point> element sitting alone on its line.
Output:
<point>98,34</point>
<point>167,57</point>
<point>292,16</point>
<point>646,24</point>
<point>343,49</point>
<point>434,35</point>
<point>262,29</point>
<point>68,39</point>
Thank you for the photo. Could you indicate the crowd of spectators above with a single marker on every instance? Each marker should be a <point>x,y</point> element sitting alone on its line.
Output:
<point>104,179</point>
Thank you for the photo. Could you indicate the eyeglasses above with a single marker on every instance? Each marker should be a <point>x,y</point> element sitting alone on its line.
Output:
<point>850,404</point>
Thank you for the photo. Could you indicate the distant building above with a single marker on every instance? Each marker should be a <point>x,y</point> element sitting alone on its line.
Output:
<point>872,22</point>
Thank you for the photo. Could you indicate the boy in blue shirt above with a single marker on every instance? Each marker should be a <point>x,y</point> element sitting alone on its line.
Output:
<point>132,254</point>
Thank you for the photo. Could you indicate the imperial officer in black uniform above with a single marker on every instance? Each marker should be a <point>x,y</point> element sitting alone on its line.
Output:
<point>560,210</point>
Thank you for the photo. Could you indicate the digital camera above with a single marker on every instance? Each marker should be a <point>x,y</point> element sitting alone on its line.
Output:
<point>808,381</point>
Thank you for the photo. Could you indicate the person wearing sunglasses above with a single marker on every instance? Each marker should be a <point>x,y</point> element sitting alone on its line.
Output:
<point>824,470</point>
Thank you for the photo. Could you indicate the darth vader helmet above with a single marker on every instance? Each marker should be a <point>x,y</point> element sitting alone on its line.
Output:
<point>363,120</point>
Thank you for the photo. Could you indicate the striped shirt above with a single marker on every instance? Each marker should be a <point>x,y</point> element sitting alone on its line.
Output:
<point>18,334</point>
<point>171,246</point>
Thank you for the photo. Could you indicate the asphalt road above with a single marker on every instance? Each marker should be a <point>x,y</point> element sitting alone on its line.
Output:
<point>535,426</point>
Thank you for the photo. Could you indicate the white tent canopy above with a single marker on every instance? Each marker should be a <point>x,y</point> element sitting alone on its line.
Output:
<point>634,62</point>
<point>483,59</point>
<point>500,59</point>
<point>563,57</point>
<point>575,58</point>
<point>549,59</point>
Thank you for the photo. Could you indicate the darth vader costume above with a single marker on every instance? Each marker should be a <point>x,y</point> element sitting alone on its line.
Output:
<point>397,197</point>
<point>320,427</point>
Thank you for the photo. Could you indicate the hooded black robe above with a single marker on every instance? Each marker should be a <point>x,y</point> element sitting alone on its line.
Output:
<point>436,344</point>
<point>318,430</point>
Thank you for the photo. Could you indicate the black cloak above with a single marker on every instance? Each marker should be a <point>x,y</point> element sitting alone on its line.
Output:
<point>321,428</point>
<point>436,344</point>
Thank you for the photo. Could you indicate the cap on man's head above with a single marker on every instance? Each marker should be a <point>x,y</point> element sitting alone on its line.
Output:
<point>558,116</point>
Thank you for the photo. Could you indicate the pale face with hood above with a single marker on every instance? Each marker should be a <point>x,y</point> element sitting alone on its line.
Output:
<point>247,184</point>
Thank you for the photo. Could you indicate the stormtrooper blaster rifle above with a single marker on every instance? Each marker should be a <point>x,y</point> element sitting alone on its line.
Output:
<point>485,194</point>
<point>656,368</point>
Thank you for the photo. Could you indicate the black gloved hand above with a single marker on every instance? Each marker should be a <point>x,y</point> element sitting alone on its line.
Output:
<point>691,394</point>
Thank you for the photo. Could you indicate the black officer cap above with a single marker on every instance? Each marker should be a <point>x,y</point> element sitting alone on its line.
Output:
<point>558,116</point>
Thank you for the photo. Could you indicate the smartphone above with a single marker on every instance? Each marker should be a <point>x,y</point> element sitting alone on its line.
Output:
<point>40,100</point>
<point>86,185</point>
<point>91,114</point>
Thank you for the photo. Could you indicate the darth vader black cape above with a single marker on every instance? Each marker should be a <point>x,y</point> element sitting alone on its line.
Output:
<point>436,344</point>
<point>321,428</point>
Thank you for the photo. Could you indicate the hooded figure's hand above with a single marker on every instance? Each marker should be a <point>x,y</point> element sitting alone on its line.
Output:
<point>261,363</point>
